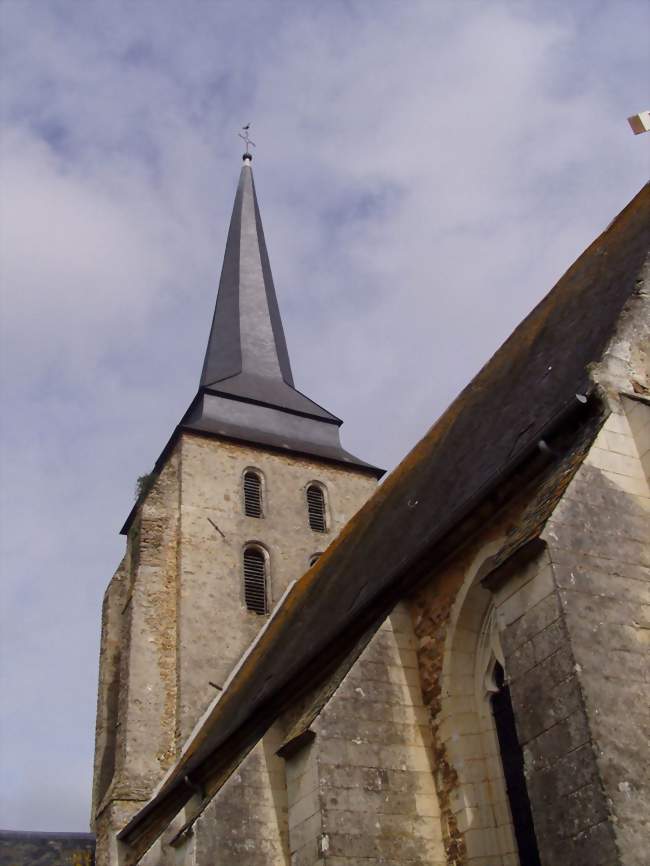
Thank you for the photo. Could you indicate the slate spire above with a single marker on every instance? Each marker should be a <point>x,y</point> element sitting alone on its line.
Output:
<point>247,335</point>
<point>247,355</point>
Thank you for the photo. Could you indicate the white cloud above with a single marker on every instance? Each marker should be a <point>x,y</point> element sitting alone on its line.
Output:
<point>426,171</point>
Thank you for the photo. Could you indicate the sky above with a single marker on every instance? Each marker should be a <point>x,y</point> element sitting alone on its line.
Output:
<point>426,172</point>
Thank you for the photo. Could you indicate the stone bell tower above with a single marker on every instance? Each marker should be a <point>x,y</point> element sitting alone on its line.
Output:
<point>252,485</point>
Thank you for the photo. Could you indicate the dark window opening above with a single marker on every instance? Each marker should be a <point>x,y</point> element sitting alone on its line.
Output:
<point>255,591</point>
<point>316,508</point>
<point>512,759</point>
<point>313,559</point>
<point>252,494</point>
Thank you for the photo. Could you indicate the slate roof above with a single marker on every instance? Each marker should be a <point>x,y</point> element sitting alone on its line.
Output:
<point>490,430</point>
<point>247,389</point>
<point>247,344</point>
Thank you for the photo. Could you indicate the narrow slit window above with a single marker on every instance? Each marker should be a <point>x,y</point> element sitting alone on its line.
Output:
<point>316,508</point>
<point>253,495</point>
<point>255,581</point>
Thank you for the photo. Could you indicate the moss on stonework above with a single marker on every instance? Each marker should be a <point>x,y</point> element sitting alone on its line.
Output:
<point>144,484</point>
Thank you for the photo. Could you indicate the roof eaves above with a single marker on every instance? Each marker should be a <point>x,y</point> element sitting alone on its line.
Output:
<point>184,427</point>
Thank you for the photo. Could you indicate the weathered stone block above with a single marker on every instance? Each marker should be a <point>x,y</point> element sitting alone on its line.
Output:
<point>555,742</point>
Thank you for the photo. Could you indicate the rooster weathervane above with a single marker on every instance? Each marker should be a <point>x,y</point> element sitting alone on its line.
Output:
<point>246,138</point>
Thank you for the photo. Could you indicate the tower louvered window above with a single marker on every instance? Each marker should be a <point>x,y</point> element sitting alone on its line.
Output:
<point>252,494</point>
<point>255,580</point>
<point>316,508</point>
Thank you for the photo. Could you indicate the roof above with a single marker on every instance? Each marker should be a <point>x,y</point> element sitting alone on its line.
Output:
<point>247,352</point>
<point>247,389</point>
<point>490,431</point>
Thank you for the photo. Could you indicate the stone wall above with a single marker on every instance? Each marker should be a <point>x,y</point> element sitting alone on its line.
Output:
<point>108,693</point>
<point>637,413</point>
<point>214,627</point>
<point>246,823</point>
<point>175,624</point>
<point>569,808</point>
<point>599,543</point>
<point>362,792</point>
<point>135,718</point>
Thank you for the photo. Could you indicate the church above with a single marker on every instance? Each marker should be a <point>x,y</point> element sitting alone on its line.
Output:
<point>302,667</point>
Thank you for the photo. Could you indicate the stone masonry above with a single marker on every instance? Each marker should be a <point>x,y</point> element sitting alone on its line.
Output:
<point>363,791</point>
<point>175,623</point>
<point>598,543</point>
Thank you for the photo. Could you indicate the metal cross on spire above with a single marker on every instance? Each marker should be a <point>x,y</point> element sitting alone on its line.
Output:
<point>245,136</point>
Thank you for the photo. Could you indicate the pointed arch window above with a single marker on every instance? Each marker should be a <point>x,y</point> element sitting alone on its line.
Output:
<point>512,760</point>
<point>256,580</point>
<point>253,501</point>
<point>316,509</point>
<point>476,636</point>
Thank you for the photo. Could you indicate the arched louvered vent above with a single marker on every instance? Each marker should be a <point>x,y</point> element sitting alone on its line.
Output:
<point>252,494</point>
<point>313,559</point>
<point>316,508</point>
<point>255,592</point>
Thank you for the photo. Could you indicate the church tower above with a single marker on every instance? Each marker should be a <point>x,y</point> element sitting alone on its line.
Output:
<point>252,486</point>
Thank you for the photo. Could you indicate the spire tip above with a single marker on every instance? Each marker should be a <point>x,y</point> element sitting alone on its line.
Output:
<point>248,156</point>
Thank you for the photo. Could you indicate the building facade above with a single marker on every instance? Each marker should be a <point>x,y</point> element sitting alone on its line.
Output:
<point>300,669</point>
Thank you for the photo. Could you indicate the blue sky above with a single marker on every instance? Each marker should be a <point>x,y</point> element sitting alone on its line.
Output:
<point>426,171</point>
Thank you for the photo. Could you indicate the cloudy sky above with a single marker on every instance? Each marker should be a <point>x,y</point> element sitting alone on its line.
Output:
<point>426,171</point>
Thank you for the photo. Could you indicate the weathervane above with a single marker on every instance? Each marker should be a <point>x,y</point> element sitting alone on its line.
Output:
<point>248,142</point>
